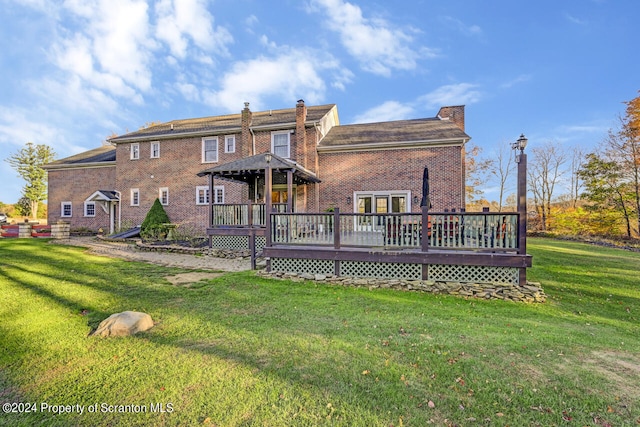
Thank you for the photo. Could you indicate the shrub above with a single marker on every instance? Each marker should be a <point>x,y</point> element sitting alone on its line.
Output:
<point>155,223</point>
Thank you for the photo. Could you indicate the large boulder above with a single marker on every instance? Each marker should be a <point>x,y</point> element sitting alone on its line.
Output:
<point>124,324</point>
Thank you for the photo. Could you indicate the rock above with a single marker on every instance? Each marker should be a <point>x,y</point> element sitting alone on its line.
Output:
<point>307,276</point>
<point>319,277</point>
<point>124,324</point>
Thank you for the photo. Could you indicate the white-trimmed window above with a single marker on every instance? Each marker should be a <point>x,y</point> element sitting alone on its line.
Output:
<point>219,191</point>
<point>66,209</point>
<point>382,201</point>
<point>89,208</point>
<point>202,194</point>
<point>210,149</point>
<point>155,150</point>
<point>281,143</point>
<point>163,195</point>
<point>135,151</point>
<point>135,197</point>
<point>230,144</point>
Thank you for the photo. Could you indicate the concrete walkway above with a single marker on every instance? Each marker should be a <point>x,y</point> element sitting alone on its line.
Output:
<point>130,252</point>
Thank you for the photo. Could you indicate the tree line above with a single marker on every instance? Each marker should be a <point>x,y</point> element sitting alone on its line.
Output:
<point>570,190</point>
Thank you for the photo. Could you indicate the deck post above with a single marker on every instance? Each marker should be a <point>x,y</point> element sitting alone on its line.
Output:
<point>267,199</point>
<point>521,160</point>
<point>252,235</point>
<point>212,194</point>
<point>336,228</point>
<point>289,191</point>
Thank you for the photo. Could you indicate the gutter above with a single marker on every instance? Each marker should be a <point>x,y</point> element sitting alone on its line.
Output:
<point>68,166</point>
<point>392,145</point>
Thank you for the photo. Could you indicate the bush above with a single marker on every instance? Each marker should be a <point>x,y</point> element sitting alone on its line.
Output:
<point>155,224</point>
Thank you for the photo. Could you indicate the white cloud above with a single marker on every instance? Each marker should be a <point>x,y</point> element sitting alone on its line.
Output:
<point>469,30</point>
<point>389,110</point>
<point>455,94</point>
<point>110,50</point>
<point>288,73</point>
<point>182,20</point>
<point>522,78</point>
<point>378,45</point>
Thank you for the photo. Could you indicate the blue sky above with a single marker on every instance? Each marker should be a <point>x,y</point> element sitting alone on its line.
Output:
<point>76,71</point>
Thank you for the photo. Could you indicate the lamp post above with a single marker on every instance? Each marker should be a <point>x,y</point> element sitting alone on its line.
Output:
<point>521,160</point>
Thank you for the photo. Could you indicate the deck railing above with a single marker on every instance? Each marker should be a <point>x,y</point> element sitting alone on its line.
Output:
<point>399,230</point>
<point>236,215</point>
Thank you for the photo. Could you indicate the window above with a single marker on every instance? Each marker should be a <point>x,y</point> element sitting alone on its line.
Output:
<point>210,149</point>
<point>135,197</point>
<point>219,190</point>
<point>202,194</point>
<point>280,143</point>
<point>135,151</point>
<point>66,209</point>
<point>163,195</point>
<point>230,144</point>
<point>89,208</point>
<point>155,149</point>
<point>382,201</point>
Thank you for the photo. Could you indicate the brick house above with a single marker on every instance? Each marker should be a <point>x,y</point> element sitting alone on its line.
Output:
<point>375,167</point>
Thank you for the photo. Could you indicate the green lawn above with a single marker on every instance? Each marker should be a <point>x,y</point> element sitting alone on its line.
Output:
<point>241,350</point>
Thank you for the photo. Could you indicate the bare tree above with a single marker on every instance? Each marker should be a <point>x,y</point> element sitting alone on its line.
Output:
<point>475,173</point>
<point>577,158</point>
<point>545,171</point>
<point>502,167</point>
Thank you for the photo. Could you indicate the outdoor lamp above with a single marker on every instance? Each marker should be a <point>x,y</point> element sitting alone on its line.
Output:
<point>267,157</point>
<point>520,144</point>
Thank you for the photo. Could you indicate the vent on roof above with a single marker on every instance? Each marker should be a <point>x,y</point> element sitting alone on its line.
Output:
<point>171,126</point>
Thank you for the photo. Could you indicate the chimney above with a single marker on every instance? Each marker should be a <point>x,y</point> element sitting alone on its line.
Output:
<point>455,114</point>
<point>302,153</point>
<point>246,142</point>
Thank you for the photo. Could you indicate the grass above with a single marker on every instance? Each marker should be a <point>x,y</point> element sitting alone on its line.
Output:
<point>240,350</point>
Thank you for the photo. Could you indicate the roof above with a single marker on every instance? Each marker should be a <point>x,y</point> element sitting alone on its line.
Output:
<point>224,124</point>
<point>429,130</point>
<point>248,167</point>
<point>104,196</point>
<point>105,154</point>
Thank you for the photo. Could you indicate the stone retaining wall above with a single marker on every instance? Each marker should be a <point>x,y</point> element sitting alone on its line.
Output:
<point>529,293</point>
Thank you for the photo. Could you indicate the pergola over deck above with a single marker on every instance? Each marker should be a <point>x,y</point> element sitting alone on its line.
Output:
<point>248,169</point>
<point>251,219</point>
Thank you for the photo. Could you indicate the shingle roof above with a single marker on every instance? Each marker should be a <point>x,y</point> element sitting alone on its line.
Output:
<point>419,130</point>
<point>103,154</point>
<point>223,124</point>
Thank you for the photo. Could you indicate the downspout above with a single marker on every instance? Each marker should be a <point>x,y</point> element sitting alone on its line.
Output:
<point>317,171</point>
<point>464,174</point>
<point>119,210</point>
<point>253,142</point>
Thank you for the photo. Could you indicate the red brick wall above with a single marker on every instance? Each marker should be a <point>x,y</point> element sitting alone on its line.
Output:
<point>180,161</point>
<point>392,170</point>
<point>75,186</point>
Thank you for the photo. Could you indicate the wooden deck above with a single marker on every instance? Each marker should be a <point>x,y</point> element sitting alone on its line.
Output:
<point>462,239</point>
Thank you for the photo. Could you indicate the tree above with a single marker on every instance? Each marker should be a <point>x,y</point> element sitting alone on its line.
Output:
<point>607,192</point>
<point>502,168</point>
<point>544,174</point>
<point>623,146</point>
<point>577,157</point>
<point>28,163</point>
<point>155,223</point>
<point>475,173</point>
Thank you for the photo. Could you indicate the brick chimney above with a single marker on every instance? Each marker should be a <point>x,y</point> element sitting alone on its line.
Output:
<point>246,140</point>
<point>302,152</point>
<point>454,113</point>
